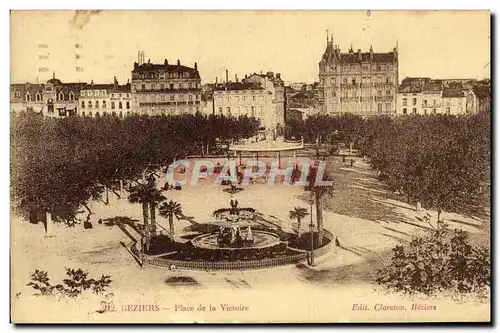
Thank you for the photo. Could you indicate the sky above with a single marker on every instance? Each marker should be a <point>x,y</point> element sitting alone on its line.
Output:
<point>438,44</point>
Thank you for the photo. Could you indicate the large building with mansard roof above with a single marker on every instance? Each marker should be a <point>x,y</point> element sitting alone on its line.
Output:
<point>362,83</point>
<point>52,99</point>
<point>165,89</point>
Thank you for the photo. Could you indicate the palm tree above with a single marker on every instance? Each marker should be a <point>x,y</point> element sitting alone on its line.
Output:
<point>156,197</point>
<point>169,209</point>
<point>143,193</point>
<point>319,191</point>
<point>298,213</point>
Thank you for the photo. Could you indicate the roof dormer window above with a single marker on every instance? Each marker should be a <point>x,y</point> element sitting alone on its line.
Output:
<point>38,97</point>
<point>71,96</point>
<point>61,96</point>
<point>27,97</point>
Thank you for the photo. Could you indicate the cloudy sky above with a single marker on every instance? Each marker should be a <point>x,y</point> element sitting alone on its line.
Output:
<point>434,44</point>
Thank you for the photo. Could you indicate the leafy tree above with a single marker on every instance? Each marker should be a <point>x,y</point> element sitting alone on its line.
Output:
<point>298,213</point>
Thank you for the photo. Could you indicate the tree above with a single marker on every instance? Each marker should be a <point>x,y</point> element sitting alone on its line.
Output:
<point>170,209</point>
<point>156,197</point>
<point>298,213</point>
<point>144,193</point>
<point>319,191</point>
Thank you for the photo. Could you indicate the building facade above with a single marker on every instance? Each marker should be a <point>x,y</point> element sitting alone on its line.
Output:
<point>257,95</point>
<point>52,99</point>
<point>105,100</point>
<point>362,83</point>
<point>165,89</point>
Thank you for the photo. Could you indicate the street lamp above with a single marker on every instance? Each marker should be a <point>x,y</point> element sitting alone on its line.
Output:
<point>311,230</point>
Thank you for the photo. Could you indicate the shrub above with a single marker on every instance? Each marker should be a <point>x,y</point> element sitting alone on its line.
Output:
<point>443,261</point>
<point>74,285</point>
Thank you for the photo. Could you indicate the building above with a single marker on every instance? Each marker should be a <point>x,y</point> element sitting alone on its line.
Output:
<point>258,95</point>
<point>52,99</point>
<point>105,100</point>
<point>454,101</point>
<point>297,86</point>
<point>165,89</point>
<point>362,83</point>
<point>482,96</point>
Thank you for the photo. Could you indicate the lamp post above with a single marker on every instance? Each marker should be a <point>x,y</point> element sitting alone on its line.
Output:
<point>311,230</point>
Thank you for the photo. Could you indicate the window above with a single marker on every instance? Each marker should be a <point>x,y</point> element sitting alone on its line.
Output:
<point>38,97</point>
<point>388,92</point>
<point>120,114</point>
<point>97,104</point>
<point>253,98</point>
<point>448,110</point>
<point>434,102</point>
<point>153,86</point>
<point>405,101</point>
<point>345,80</point>
<point>27,97</point>
<point>83,105</point>
<point>365,68</point>
<point>103,93</point>
<point>112,105</point>
<point>172,97</point>
<point>433,111</point>
<point>388,80</point>
<point>143,87</point>
<point>379,107</point>
<point>171,86</point>
<point>378,68</point>
<point>414,110</point>
<point>113,113</point>
<point>162,86</point>
<point>89,104</point>
<point>71,96</point>
<point>97,114</point>
<point>83,114</point>
<point>89,93</point>
<point>253,111</point>
<point>220,110</point>
<point>90,113</point>
<point>228,110</point>
<point>128,105</point>
<point>414,101</point>
<point>120,106</point>
<point>191,97</point>
<point>353,82</point>
<point>425,102</point>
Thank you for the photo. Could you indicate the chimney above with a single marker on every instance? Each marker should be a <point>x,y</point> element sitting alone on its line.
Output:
<point>235,78</point>
<point>195,65</point>
<point>215,80</point>
<point>371,52</point>
<point>128,81</point>
<point>278,75</point>
<point>227,76</point>
<point>246,76</point>
<point>92,82</point>
<point>115,82</point>
<point>149,60</point>
<point>360,57</point>
<point>178,62</point>
<point>165,62</point>
<point>136,65</point>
